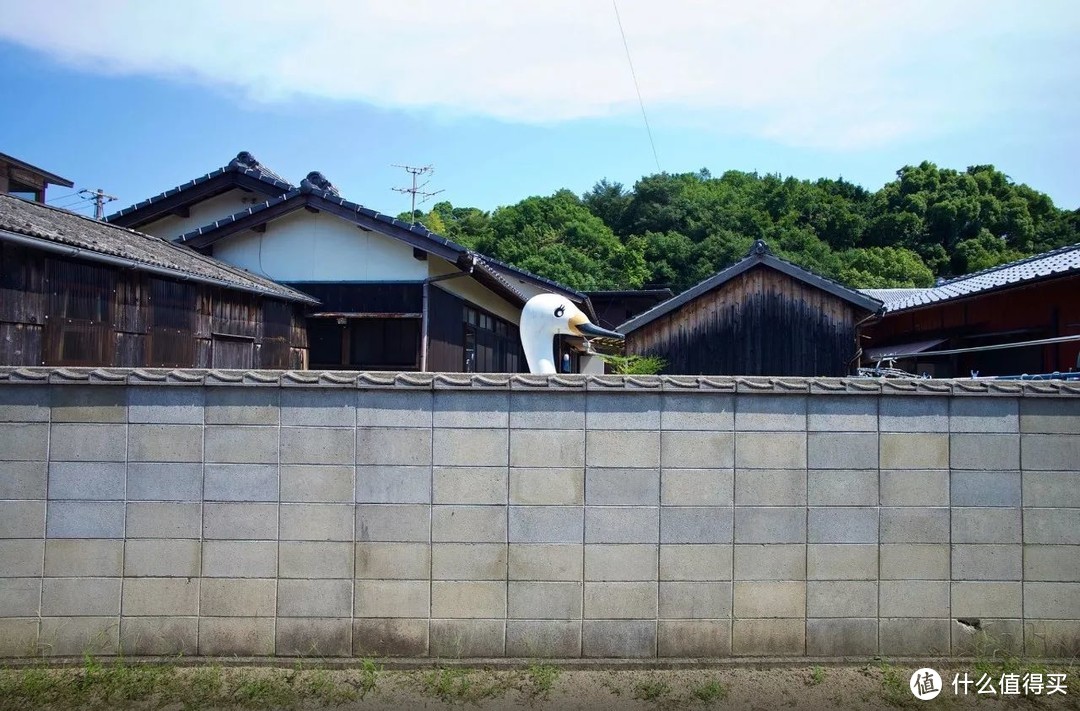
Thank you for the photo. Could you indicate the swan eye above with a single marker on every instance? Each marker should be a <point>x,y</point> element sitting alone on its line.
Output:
<point>560,311</point>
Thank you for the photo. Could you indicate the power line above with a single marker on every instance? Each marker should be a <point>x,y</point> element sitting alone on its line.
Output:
<point>100,198</point>
<point>416,189</point>
<point>633,74</point>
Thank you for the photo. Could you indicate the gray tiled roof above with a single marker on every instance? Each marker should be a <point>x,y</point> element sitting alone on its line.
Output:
<point>89,238</point>
<point>891,296</point>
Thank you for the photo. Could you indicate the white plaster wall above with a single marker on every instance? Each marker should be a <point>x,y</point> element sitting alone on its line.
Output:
<point>472,291</point>
<point>203,213</point>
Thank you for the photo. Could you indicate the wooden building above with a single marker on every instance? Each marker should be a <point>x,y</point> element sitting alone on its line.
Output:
<point>27,181</point>
<point>394,296</point>
<point>983,315</point>
<point>79,292</point>
<point>760,316</point>
<point>614,308</point>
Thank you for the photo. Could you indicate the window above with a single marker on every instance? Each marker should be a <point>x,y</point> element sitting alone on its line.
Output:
<point>491,345</point>
<point>364,343</point>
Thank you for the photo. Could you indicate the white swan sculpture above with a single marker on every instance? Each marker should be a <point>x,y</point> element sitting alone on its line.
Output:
<point>546,315</point>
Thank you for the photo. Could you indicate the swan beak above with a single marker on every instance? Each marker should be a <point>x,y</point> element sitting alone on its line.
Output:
<point>583,327</point>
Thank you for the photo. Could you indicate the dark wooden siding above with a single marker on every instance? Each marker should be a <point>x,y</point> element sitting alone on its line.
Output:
<point>446,316</point>
<point>761,322</point>
<point>495,344</point>
<point>348,297</point>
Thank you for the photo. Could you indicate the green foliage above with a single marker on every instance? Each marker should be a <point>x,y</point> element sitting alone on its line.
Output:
<point>710,692</point>
<point>541,680</point>
<point>650,690</point>
<point>634,364</point>
<point>817,675</point>
<point>459,685</point>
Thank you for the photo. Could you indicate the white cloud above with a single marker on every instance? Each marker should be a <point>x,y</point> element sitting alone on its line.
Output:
<point>825,73</point>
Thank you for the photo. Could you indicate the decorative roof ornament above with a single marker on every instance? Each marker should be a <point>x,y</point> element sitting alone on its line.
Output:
<point>759,249</point>
<point>316,180</point>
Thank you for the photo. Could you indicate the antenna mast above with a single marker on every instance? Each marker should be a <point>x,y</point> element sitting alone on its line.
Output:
<point>100,197</point>
<point>415,190</point>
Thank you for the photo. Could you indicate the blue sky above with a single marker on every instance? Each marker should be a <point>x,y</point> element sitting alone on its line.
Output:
<point>509,99</point>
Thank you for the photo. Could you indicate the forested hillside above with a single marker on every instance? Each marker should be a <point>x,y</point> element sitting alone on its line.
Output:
<point>675,230</point>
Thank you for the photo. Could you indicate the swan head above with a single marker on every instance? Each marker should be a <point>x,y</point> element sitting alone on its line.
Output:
<point>545,316</point>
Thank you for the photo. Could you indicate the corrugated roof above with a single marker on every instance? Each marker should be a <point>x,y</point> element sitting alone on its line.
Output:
<point>53,225</point>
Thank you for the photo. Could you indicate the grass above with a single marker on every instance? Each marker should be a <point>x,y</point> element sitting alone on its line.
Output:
<point>650,690</point>
<point>817,676</point>
<point>540,680</point>
<point>710,692</point>
<point>894,684</point>
<point>459,685</point>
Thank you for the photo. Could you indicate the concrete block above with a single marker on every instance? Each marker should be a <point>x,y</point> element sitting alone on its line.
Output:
<point>697,487</point>
<point>986,525</point>
<point>984,451</point>
<point>79,597</point>
<point>754,638</point>
<point>471,599</point>
<point>1041,562</point>
<point>770,413</point>
<point>471,409</point>
<point>391,598</point>
<point>22,558</point>
<point>1052,601</point>
<point>547,447</point>
<point>914,598</point>
<point>1049,416</point>
<point>543,639</point>
<point>914,451</point>
<point>311,637</point>
<point>23,480</point>
<point>393,523</point>
<point>914,525</point>
<point>162,558</point>
<point>543,524</point>
<point>992,636</point>
<point>225,597</point>
<point>468,561</point>
<point>1052,639</point>
<point>620,562</point>
<point>81,403</point>
<point>697,411</point>
<point>618,638</point>
<point>26,403</point>
<point>984,414</point>
<point>696,524</point>
<point>620,601</point>
<point>164,481</point>
<point>769,450</point>
<point>85,519</point>
<point>987,599</point>
<point>842,450</point>
<point>20,597</point>
<point>841,638</point>
<point>164,443</point>
<point>160,597</point>
<point>240,482</point>
<point>842,487</point>
<point>620,411</point>
<point>693,638</point>
<point>79,636</point>
<point>547,411</point>
<point>24,519</point>
<point>622,487</point>
<point>468,638</point>
<point>97,481</point>
<point>241,444</point>
<point>240,559</point>
<point>315,598</point>
<point>390,638</point>
<point>393,484</point>
<point>842,561</point>
<point>470,485</point>
<point>469,524</point>
<point>622,524</point>
<point>537,486</point>
<point>759,524</point>
<point>1050,489</point>
<point>842,413</point>
<point>1050,526</point>
<point>315,483</point>
<point>392,561</point>
<point>317,522</point>
<point>243,406</point>
<point>908,487</point>
<point>240,521</point>
<point>784,561</point>
<point>318,407</point>
<point>911,561</point>
<point>236,636</point>
<point>842,598</point>
<point>315,559</point>
<point>770,487</point>
<point>695,600</point>
<point>546,600</point>
<point>695,562</point>
<point>627,448</point>
<point>394,408</point>
<point>159,636</point>
<point>697,449</point>
<point>471,447</point>
<point>165,405</point>
<point>987,562</point>
<point>914,414</point>
<point>846,524</point>
<point>756,599</point>
<point>906,637</point>
<point>147,519</point>
<point>1049,452</point>
<point>19,637</point>
<point>317,445</point>
<point>545,561</point>
<point>81,557</point>
<point>989,488</point>
<point>68,443</point>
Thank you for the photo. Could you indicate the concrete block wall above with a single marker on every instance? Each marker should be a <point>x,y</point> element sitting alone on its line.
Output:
<point>202,513</point>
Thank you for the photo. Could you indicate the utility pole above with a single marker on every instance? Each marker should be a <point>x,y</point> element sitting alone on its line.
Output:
<point>416,189</point>
<point>100,197</point>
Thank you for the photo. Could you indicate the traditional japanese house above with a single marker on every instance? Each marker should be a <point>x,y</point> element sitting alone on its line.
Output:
<point>616,307</point>
<point>28,181</point>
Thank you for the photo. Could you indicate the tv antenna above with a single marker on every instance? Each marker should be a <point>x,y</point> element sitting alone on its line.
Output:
<point>99,197</point>
<point>417,189</point>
